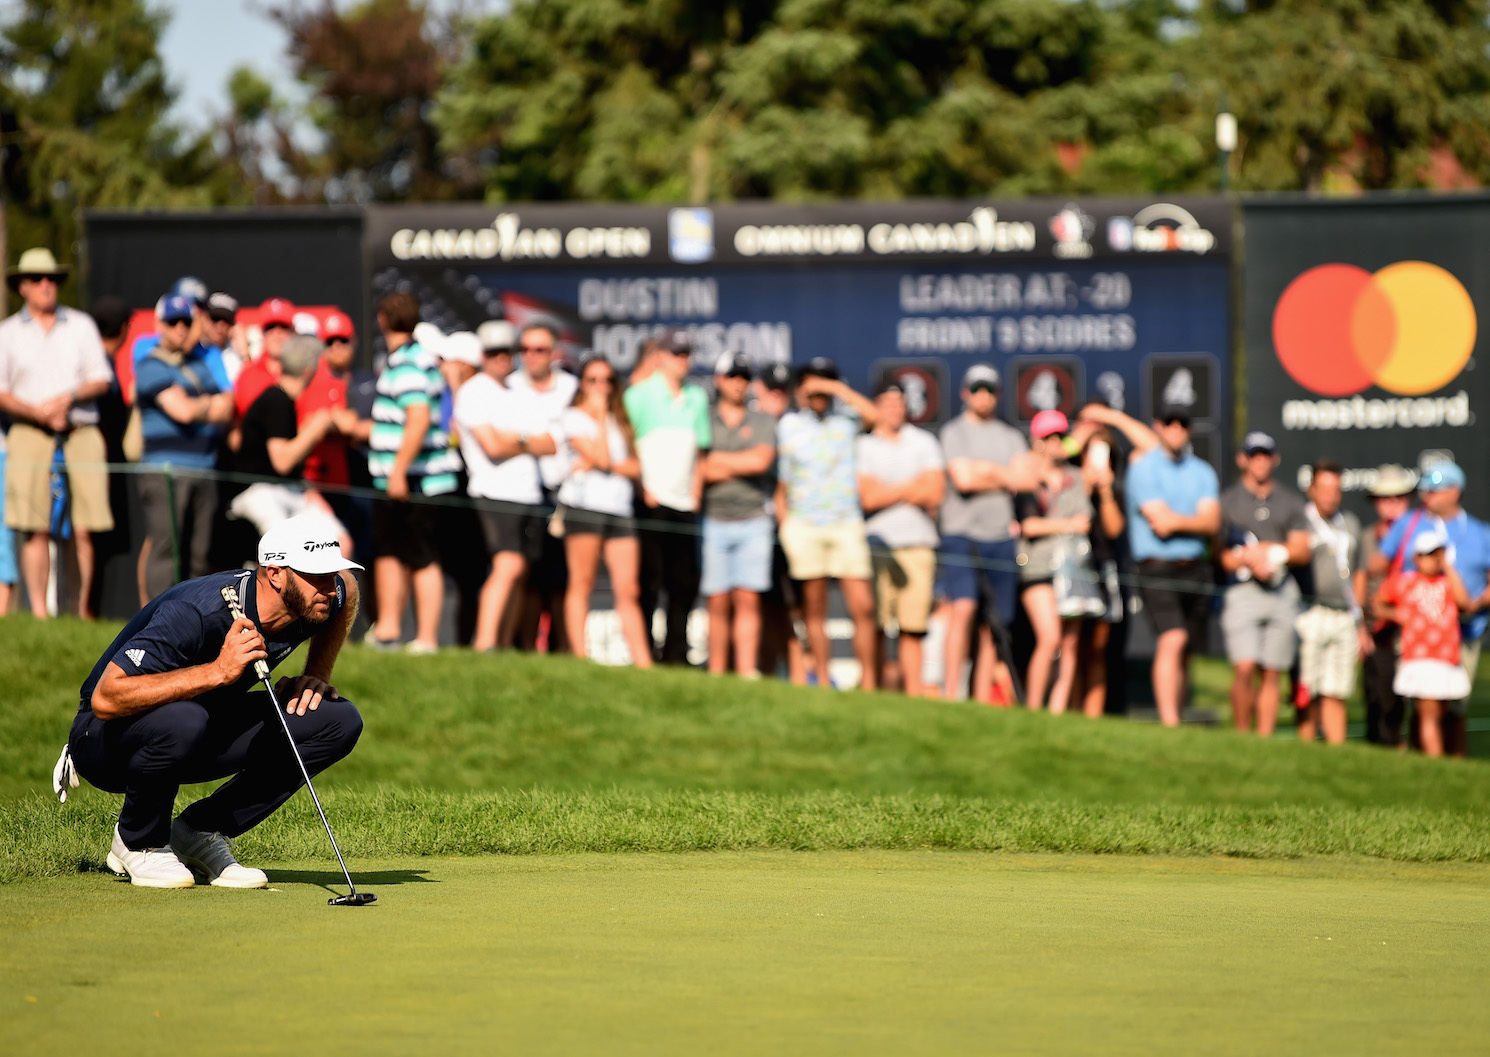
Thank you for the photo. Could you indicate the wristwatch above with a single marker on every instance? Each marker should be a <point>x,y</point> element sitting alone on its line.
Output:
<point>522,442</point>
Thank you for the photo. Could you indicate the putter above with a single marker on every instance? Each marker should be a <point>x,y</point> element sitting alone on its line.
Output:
<point>353,898</point>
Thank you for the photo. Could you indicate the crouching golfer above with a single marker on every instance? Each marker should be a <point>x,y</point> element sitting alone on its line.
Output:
<point>169,703</point>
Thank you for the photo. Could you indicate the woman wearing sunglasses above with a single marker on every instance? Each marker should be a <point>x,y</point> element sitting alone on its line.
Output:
<point>595,506</point>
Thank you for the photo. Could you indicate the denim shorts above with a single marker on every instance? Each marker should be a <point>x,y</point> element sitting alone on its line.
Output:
<point>737,554</point>
<point>7,538</point>
<point>982,571</point>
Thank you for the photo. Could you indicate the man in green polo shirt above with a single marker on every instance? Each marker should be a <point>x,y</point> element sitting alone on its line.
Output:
<point>671,422</point>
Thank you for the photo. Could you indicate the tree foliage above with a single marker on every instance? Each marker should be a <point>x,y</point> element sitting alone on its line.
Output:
<point>83,101</point>
<point>373,71</point>
<point>800,99</point>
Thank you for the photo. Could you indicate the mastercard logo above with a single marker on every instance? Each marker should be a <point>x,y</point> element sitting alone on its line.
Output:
<point>1408,328</point>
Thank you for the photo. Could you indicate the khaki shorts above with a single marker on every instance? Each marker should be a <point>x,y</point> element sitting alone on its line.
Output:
<point>903,584</point>
<point>1329,647</point>
<point>816,552</point>
<point>28,479</point>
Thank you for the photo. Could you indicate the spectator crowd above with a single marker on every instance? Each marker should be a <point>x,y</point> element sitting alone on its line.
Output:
<point>978,561</point>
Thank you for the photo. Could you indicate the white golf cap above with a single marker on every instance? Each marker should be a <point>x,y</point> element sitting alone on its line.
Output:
<point>429,337</point>
<point>497,335</point>
<point>462,347</point>
<point>306,543</point>
<point>981,373</point>
<point>1429,541</point>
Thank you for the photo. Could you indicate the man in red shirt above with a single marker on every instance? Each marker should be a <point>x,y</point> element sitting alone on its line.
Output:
<point>327,470</point>
<point>276,324</point>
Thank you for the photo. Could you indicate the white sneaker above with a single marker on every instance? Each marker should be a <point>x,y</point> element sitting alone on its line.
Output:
<point>209,855</point>
<point>150,868</point>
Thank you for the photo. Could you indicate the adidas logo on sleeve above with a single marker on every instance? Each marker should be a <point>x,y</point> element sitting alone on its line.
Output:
<point>136,657</point>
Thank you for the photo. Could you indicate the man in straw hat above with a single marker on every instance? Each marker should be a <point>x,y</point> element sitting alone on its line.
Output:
<point>52,372</point>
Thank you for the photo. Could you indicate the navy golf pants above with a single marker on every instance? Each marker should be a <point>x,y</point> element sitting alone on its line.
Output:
<point>148,757</point>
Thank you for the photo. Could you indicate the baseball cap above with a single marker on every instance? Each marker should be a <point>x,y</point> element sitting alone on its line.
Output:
<point>891,384</point>
<point>337,325</point>
<point>306,543</point>
<point>497,335</point>
<point>818,367</point>
<point>1047,423</point>
<point>191,288</point>
<point>776,376</point>
<point>1428,541</point>
<point>222,307</point>
<point>1259,443</point>
<point>462,347</point>
<point>1391,481</point>
<point>276,312</point>
<point>981,374</point>
<point>1441,477</point>
<point>1176,413</point>
<point>307,323</point>
<point>173,308</point>
<point>734,365</point>
<point>429,337</point>
<point>675,339</point>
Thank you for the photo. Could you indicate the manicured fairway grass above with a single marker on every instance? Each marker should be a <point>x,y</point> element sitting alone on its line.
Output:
<point>750,953</point>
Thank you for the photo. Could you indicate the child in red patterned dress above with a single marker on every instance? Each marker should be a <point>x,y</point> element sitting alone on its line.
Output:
<point>1426,603</point>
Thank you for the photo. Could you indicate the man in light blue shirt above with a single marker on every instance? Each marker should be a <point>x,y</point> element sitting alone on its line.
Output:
<point>1173,510</point>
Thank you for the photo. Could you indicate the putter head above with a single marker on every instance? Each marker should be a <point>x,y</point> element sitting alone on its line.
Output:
<point>353,899</point>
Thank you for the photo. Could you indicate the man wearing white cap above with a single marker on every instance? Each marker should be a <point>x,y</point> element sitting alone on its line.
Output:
<point>168,704</point>
<point>502,434</point>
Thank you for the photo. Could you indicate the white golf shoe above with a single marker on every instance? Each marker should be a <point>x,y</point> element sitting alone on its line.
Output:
<point>209,855</point>
<point>150,868</point>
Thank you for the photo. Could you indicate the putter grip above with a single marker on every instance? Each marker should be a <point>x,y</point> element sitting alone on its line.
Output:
<point>235,610</point>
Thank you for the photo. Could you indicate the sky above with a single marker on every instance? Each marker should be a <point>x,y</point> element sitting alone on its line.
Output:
<point>206,40</point>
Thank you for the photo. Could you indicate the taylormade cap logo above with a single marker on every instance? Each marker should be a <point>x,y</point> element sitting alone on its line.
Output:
<point>307,544</point>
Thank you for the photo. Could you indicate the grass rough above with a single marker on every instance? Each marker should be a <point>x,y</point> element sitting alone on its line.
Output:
<point>468,754</point>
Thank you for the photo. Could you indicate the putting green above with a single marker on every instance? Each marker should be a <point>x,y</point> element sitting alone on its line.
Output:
<point>876,952</point>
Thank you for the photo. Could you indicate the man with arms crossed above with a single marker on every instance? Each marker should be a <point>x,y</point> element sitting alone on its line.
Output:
<point>546,390</point>
<point>52,372</point>
<point>738,529</point>
<point>987,462</point>
<point>1263,532</point>
<point>168,704</point>
<point>1174,509</point>
<point>502,432</point>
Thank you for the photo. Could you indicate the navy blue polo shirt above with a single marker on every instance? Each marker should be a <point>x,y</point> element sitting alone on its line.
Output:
<point>185,626</point>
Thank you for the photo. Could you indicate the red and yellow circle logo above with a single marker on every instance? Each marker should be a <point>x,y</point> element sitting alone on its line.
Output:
<point>1409,328</point>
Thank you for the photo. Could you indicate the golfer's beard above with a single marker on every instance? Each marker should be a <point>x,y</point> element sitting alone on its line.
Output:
<point>296,602</point>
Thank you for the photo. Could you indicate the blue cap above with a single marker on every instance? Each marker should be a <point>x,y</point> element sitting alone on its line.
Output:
<point>1440,477</point>
<point>173,307</point>
<point>191,287</point>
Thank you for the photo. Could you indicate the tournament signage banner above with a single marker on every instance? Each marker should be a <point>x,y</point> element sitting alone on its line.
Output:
<point>1127,299</point>
<point>1362,322</point>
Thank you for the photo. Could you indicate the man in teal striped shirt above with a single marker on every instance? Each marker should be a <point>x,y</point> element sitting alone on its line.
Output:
<point>410,459</point>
